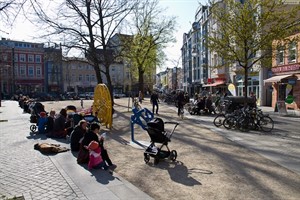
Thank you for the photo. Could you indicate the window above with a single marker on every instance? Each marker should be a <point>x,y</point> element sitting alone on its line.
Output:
<point>87,77</point>
<point>22,58</point>
<point>280,55</point>
<point>73,67</point>
<point>80,77</point>
<point>93,78</point>
<point>22,71</point>
<point>30,71</point>
<point>292,52</point>
<point>30,58</point>
<point>80,67</point>
<point>4,57</point>
<point>38,59</point>
<point>38,71</point>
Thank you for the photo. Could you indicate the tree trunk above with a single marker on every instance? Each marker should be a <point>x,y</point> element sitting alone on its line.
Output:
<point>141,81</point>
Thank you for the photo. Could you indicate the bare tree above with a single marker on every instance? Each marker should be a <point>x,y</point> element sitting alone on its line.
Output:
<point>9,10</point>
<point>87,26</point>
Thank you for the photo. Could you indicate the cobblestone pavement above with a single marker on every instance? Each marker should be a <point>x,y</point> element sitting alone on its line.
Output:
<point>25,171</point>
<point>28,173</point>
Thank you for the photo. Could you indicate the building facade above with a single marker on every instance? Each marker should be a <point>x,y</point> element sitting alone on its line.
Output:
<point>78,75</point>
<point>285,80</point>
<point>27,61</point>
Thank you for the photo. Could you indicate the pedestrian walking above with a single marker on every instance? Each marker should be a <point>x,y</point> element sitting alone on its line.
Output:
<point>81,102</point>
<point>154,100</point>
<point>140,97</point>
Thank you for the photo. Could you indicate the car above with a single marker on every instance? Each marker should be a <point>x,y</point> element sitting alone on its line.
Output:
<point>83,96</point>
<point>119,95</point>
<point>90,95</point>
<point>71,96</point>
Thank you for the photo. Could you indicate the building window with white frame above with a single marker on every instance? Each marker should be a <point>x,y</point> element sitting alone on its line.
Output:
<point>30,71</point>
<point>22,70</point>
<point>38,71</point>
<point>38,59</point>
<point>22,58</point>
<point>280,55</point>
<point>80,77</point>
<point>87,77</point>
<point>93,77</point>
<point>292,52</point>
<point>30,58</point>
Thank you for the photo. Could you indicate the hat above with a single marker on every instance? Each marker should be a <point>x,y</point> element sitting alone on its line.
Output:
<point>93,145</point>
<point>42,114</point>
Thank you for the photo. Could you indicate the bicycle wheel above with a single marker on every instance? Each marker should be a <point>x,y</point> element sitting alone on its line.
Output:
<point>218,121</point>
<point>243,124</point>
<point>266,124</point>
<point>229,122</point>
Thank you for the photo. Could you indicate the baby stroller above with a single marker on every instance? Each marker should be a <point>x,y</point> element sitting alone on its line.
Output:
<point>157,133</point>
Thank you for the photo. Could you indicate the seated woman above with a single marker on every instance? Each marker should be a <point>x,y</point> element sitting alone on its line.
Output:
<point>92,135</point>
<point>50,122</point>
<point>77,134</point>
<point>59,128</point>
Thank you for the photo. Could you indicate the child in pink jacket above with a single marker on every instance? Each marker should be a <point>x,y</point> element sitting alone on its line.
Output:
<point>95,158</point>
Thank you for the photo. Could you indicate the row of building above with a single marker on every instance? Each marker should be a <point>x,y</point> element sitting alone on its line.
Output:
<point>270,84</point>
<point>28,67</point>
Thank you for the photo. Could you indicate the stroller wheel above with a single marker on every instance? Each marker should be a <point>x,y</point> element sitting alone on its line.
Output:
<point>32,128</point>
<point>173,155</point>
<point>156,161</point>
<point>146,157</point>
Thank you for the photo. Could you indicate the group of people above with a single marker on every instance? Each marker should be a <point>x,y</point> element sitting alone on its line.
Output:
<point>84,138</point>
<point>55,126</point>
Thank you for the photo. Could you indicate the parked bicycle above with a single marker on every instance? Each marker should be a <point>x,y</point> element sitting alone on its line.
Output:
<point>249,119</point>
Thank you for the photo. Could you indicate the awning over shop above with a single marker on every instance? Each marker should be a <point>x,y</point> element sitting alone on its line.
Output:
<point>276,79</point>
<point>214,84</point>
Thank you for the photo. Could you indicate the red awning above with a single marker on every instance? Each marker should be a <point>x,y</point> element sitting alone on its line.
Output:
<point>214,84</point>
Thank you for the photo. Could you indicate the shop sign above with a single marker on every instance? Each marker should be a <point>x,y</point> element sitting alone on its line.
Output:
<point>286,68</point>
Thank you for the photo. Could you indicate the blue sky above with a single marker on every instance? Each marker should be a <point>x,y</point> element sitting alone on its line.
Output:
<point>185,11</point>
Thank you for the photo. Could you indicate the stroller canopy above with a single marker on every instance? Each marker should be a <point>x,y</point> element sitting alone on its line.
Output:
<point>156,131</point>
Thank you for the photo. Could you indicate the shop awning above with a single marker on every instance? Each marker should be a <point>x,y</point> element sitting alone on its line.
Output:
<point>276,79</point>
<point>214,84</point>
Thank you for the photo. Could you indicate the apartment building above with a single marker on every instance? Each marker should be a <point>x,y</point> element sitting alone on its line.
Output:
<point>24,62</point>
<point>285,80</point>
<point>78,75</point>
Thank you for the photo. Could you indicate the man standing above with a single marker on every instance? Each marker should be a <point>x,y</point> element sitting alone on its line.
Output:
<point>154,100</point>
<point>180,102</point>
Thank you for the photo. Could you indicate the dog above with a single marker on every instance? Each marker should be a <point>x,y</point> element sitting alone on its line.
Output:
<point>47,148</point>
